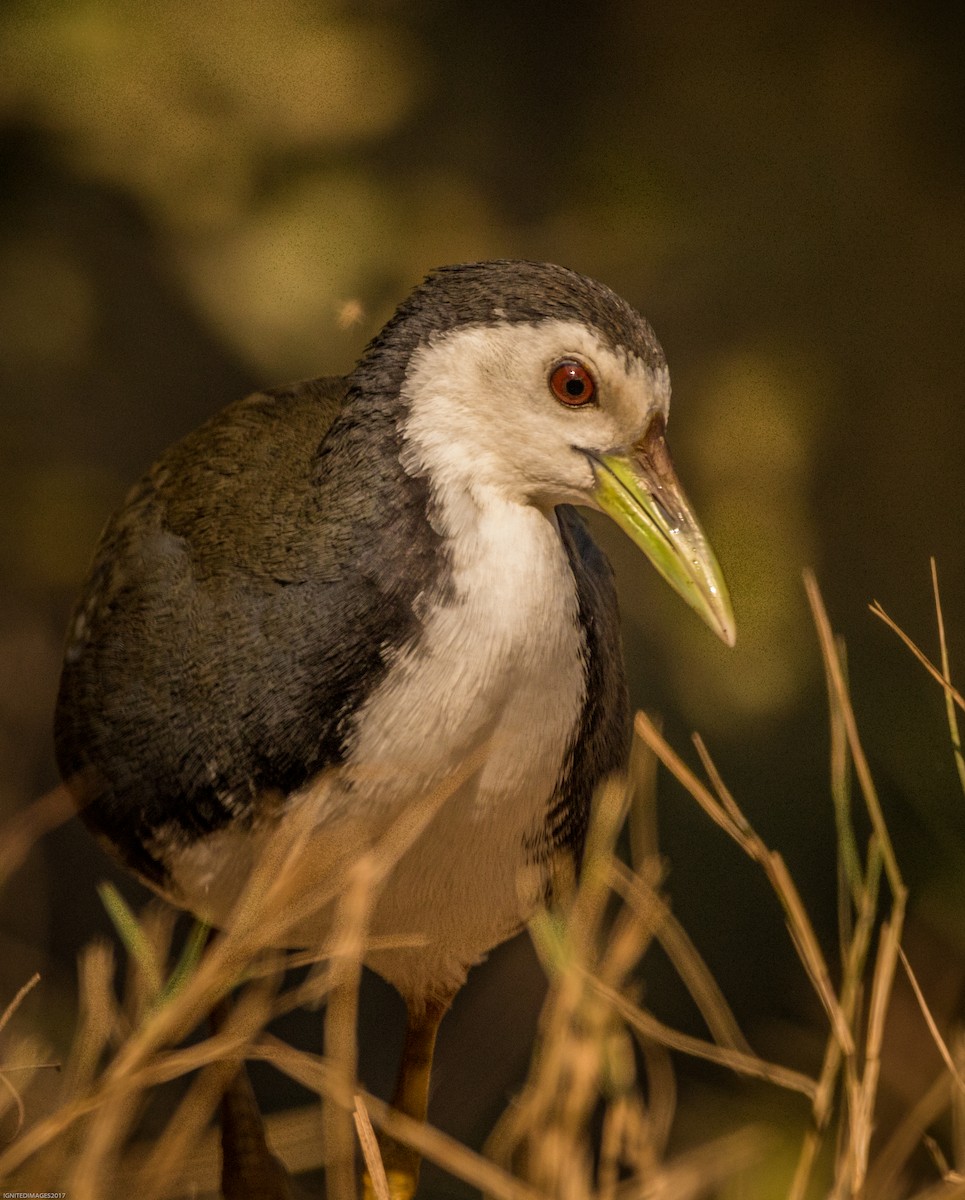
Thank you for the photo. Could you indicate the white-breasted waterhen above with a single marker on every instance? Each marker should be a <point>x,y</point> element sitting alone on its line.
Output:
<point>371,579</point>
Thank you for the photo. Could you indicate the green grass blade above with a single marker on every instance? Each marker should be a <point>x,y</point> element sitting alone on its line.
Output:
<point>132,935</point>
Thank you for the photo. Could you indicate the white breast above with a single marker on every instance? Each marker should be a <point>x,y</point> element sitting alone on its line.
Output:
<point>499,659</point>
<point>500,663</point>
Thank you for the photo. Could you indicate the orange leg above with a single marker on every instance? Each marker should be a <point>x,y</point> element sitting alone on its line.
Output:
<point>412,1098</point>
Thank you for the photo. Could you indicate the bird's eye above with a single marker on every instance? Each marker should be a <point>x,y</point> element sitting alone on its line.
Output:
<point>571,383</point>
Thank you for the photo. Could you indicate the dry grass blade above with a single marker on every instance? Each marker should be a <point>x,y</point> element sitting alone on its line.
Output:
<point>24,1056</point>
<point>99,1023</point>
<point>798,922</point>
<point>15,1099</point>
<point>661,1098</point>
<point>162,1068</point>
<point>320,957</point>
<point>15,1003</point>
<point>318,1075</point>
<point>450,1155</point>
<point>948,1189</point>
<point>21,833</point>
<point>849,860</point>
<point>646,729</point>
<point>412,821</point>
<point>864,1095</point>
<point>634,929</point>
<point>40,1135</point>
<point>958,1102</point>
<point>851,990</point>
<point>701,1171</point>
<point>950,691</point>
<point>612,1138</point>
<point>642,823</point>
<point>744,1064</point>
<point>293,1134</point>
<point>351,924</point>
<point>727,815</point>
<point>318,985</point>
<point>217,1060</point>
<point>586,914</point>
<point>906,1137</point>
<point>862,888</point>
<point>950,714</point>
<point>809,950</point>
<point>862,770</point>
<point>168,1157</point>
<point>933,1029</point>
<point>584,1061</point>
<point>370,1150</point>
<point>687,962</point>
<point>560,1055</point>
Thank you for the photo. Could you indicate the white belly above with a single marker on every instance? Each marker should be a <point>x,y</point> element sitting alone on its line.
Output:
<point>498,671</point>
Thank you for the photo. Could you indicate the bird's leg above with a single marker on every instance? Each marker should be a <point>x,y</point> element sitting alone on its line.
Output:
<point>411,1097</point>
<point>249,1170</point>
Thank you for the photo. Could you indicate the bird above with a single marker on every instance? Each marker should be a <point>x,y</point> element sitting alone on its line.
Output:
<point>375,580</point>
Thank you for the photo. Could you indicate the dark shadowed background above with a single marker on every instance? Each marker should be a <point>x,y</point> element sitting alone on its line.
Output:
<point>197,199</point>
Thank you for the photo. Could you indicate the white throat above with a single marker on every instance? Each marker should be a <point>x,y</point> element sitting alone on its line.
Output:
<point>500,656</point>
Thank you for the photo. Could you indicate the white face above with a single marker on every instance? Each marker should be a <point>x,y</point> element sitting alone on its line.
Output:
<point>484,412</point>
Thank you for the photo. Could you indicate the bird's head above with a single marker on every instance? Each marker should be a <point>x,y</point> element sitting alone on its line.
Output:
<point>545,387</point>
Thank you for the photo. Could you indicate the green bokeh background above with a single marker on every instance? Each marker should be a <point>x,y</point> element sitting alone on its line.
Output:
<point>199,198</point>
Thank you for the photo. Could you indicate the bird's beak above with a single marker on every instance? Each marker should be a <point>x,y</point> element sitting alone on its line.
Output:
<point>640,491</point>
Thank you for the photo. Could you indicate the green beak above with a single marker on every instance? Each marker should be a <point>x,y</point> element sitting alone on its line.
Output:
<point>640,491</point>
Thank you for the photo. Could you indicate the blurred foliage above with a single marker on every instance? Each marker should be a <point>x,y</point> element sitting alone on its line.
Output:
<point>188,105</point>
<point>196,199</point>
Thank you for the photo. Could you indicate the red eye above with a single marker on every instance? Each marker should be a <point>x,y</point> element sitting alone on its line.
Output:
<point>572,383</point>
